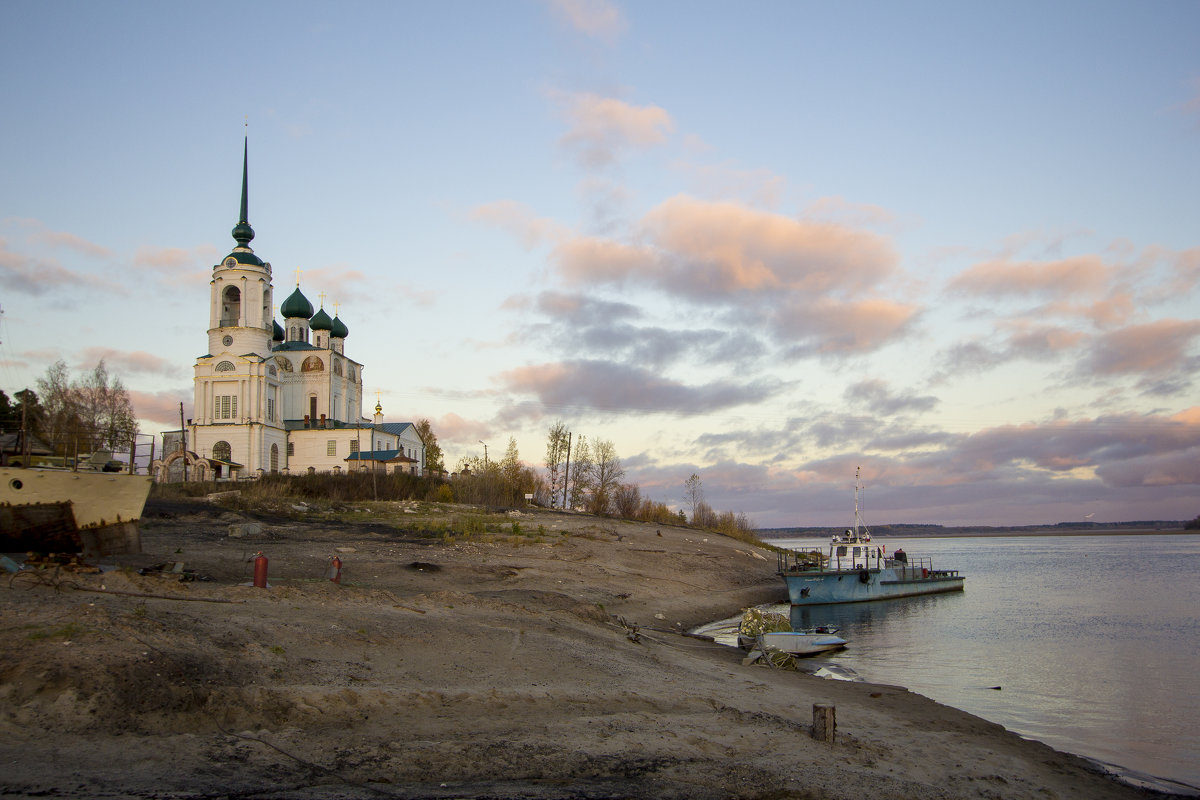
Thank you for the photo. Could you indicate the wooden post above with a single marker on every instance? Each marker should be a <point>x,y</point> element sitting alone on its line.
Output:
<point>824,722</point>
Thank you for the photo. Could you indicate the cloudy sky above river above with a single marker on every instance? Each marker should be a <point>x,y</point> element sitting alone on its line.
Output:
<point>953,244</point>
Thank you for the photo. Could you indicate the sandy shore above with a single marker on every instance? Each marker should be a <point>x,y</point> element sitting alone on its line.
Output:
<point>535,665</point>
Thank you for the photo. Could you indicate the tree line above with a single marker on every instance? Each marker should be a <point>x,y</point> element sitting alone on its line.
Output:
<point>73,416</point>
<point>583,474</point>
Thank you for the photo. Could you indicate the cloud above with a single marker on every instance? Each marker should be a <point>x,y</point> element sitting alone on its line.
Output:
<point>723,247</point>
<point>1055,279</point>
<point>70,241</point>
<point>611,387</point>
<point>600,129</point>
<point>599,19</point>
<point>879,399</point>
<point>585,326</point>
<point>162,407</point>
<point>122,363</point>
<point>39,276</point>
<point>177,266</point>
<point>519,220</point>
<point>832,328</point>
<point>1154,349</point>
<point>841,210</point>
<point>705,251</point>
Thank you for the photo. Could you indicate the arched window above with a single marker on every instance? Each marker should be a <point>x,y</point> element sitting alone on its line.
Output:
<point>231,306</point>
<point>225,366</point>
<point>222,451</point>
<point>274,458</point>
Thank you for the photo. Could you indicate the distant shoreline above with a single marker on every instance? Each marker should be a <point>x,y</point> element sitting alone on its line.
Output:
<point>886,532</point>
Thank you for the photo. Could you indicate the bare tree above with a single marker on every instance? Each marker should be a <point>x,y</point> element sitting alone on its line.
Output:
<point>581,474</point>
<point>693,493</point>
<point>90,414</point>
<point>606,475</point>
<point>556,453</point>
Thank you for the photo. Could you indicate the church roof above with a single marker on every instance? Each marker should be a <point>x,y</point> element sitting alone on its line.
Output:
<point>339,329</point>
<point>276,332</point>
<point>296,305</point>
<point>320,321</point>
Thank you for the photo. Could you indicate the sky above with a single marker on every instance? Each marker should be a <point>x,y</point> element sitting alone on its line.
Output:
<point>768,243</point>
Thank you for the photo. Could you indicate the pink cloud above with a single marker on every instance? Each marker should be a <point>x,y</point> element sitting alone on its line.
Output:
<point>841,210</point>
<point>584,259</point>
<point>1154,348</point>
<point>1054,279</point>
<point>162,407</point>
<point>519,220</point>
<point>123,362</point>
<point>600,128</point>
<point>834,328</point>
<point>38,276</point>
<point>716,248</point>
<point>71,242</point>
<point>599,19</point>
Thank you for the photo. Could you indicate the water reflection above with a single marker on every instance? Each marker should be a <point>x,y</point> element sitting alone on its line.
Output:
<point>1093,639</point>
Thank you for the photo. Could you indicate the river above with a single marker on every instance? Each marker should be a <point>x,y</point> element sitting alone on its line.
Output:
<point>1093,641</point>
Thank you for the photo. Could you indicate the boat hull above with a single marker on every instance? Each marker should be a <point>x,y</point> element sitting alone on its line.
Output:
<point>49,510</point>
<point>796,643</point>
<point>809,588</point>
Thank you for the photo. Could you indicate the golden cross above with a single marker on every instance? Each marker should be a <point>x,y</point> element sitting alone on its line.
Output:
<point>298,277</point>
<point>336,306</point>
<point>322,296</point>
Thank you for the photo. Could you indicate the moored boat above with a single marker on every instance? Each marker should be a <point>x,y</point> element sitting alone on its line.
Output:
<point>855,570</point>
<point>798,643</point>
<point>70,511</point>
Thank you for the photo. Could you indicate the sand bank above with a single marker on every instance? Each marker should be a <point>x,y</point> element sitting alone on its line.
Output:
<point>498,666</point>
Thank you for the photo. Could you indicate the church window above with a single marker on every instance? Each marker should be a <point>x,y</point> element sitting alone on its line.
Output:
<point>354,446</point>
<point>351,374</point>
<point>226,406</point>
<point>231,306</point>
<point>331,447</point>
<point>291,449</point>
<point>222,451</point>
<point>270,409</point>
<point>312,364</point>
<point>274,458</point>
<point>337,367</point>
<point>225,366</point>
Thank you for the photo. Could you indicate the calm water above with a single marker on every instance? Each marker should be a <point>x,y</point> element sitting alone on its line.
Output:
<point>1095,641</point>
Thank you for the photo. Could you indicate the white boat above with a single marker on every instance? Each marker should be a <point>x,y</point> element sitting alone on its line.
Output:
<point>797,643</point>
<point>856,571</point>
<point>71,511</point>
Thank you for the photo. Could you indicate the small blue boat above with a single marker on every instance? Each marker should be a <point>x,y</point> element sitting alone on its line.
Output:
<point>857,571</point>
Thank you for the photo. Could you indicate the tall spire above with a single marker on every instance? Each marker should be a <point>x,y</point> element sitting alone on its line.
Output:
<point>242,232</point>
<point>245,215</point>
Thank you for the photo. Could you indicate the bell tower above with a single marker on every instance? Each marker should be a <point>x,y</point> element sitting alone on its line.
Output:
<point>240,306</point>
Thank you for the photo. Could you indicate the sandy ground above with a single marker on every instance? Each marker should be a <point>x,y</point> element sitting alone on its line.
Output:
<point>539,665</point>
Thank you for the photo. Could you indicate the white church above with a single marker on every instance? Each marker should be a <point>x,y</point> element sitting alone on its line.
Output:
<point>278,399</point>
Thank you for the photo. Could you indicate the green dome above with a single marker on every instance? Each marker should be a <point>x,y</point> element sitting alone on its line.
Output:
<point>339,329</point>
<point>296,305</point>
<point>276,332</point>
<point>320,321</point>
<point>244,257</point>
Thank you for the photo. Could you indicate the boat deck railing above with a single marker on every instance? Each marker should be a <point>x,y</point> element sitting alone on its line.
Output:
<point>908,569</point>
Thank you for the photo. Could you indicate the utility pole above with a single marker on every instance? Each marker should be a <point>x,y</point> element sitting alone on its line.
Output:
<point>485,458</point>
<point>183,442</point>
